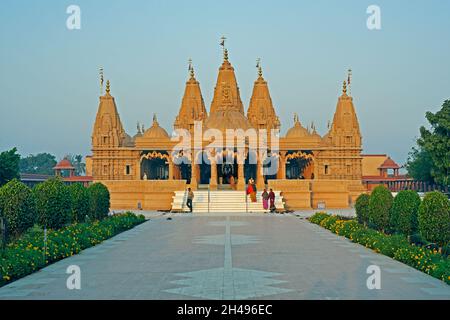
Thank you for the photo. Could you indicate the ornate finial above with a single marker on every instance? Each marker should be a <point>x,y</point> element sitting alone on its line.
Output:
<point>295,118</point>
<point>101,80</point>
<point>344,87</point>
<point>155,121</point>
<point>108,86</point>
<point>191,69</point>
<point>225,51</point>
<point>138,128</point>
<point>142,128</point>
<point>349,81</point>
<point>258,66</point>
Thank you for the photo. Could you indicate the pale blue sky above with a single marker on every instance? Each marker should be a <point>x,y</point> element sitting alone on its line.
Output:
<point>49,75</point>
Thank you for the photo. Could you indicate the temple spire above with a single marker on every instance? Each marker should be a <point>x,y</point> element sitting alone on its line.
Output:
<point>344,88</point>
<point>108,87</point>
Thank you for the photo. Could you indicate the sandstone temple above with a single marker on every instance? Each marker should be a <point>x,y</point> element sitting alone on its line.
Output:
<point>142,171</point>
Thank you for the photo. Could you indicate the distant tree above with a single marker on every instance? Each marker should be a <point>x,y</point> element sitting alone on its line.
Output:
<point>77,162</point>
<point>41,163</point>
<point>420,165</point>
<point>9,165</point>
<point>436,142</point>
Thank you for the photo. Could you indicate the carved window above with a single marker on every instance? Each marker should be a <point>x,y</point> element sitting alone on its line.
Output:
<point>326,169</point>
<point>348,139</point>
<point>127,169</point>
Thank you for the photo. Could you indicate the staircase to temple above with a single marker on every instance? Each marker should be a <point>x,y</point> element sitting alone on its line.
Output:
<point>222,201</point>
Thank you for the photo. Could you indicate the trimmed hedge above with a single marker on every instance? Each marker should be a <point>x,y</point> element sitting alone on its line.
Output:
<point>434,218</point>
<point>53,203</point>
<point>26,255</point>
<point>394,246</point>
<point>362,208</point>
<point>380,204</point>
<point>404,212</point>
<point>99,202</point>
<point>80,202</point>
<point>17,206</point>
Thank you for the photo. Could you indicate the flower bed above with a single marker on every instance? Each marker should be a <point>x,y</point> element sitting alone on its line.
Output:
<point>26,255</point>
<point>394,246</point>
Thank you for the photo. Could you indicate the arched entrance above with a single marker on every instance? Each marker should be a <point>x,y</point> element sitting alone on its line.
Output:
<point>154,166</point>
<point>299,165</point>
<point>250,166</point>
<point>204,168</point>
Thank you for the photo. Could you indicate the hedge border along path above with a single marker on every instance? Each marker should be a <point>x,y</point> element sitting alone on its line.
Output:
<point>394,246</point>
<point>26,255</point>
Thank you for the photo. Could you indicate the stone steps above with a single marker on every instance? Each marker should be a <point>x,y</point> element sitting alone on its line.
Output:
<point>223,201</point>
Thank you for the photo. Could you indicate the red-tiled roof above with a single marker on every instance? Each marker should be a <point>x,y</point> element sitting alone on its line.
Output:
<point>389,164</point>
<point>373,155</point>
<point>388,178</point>
<point>79,179</point>
<point>64,164</point>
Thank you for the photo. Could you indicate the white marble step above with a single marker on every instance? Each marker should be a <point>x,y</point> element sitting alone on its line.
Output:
<point>222,201</point>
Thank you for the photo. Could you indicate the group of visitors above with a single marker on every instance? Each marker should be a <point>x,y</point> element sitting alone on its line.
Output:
<point>268,198</point>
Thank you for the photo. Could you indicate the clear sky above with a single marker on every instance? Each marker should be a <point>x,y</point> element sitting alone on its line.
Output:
<point>49,83</point>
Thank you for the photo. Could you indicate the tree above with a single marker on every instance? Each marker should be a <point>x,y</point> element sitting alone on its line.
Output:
<point>404,212</point>
<point>434,218</point>
<point>9,165</point>
<point>380,204</point>
<point>53,205</point>
<point>80,200</point>
<point>436,142</point>
<point>99,200</point>
<point>362,208</point>
<point>41,163</point>
<point>420,165</point>
<point>17,205</point>
<point>77,162</point>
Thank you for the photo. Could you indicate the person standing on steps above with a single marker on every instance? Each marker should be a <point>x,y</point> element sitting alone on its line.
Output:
<point>272,200</point>
<point>265,199</point>
<point>190,197</point>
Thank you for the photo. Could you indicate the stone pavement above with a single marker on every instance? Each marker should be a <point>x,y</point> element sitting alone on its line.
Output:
<point>223,256</point>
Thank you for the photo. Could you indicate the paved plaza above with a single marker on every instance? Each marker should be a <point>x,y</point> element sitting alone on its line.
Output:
<point>224,256</point>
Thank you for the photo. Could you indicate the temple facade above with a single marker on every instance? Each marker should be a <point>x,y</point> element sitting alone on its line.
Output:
<point>144,170</point>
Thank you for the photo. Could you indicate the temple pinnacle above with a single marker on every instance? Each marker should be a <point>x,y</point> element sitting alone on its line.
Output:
<point>344,88</point>
<point>108,86</point>
<point>258,66</point>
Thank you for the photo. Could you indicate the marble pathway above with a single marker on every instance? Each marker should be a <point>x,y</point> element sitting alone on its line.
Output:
<point>224,256</point>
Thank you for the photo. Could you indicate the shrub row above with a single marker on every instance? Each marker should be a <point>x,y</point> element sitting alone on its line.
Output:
<point>51,204</point>
<point>406,214</point>
<point>26,254</point>
<point>394,246</point>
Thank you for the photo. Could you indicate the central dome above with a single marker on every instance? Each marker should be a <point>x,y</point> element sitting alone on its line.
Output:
<point>155,131</point>
<point>297,131</point>
<point>227,119</point>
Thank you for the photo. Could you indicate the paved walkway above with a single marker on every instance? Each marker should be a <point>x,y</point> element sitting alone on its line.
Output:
<point>227,257</point>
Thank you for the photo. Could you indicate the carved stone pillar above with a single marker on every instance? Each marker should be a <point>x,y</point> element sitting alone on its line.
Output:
<point>241,176</point>
<point>282,166</point>
<point>171,171</point>
<point>260,185</point>
<point>213,179</point>
<point>194,183</point>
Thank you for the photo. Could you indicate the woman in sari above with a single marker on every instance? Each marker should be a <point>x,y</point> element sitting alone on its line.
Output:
<point>265,199</point>
<point>251,190</point>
